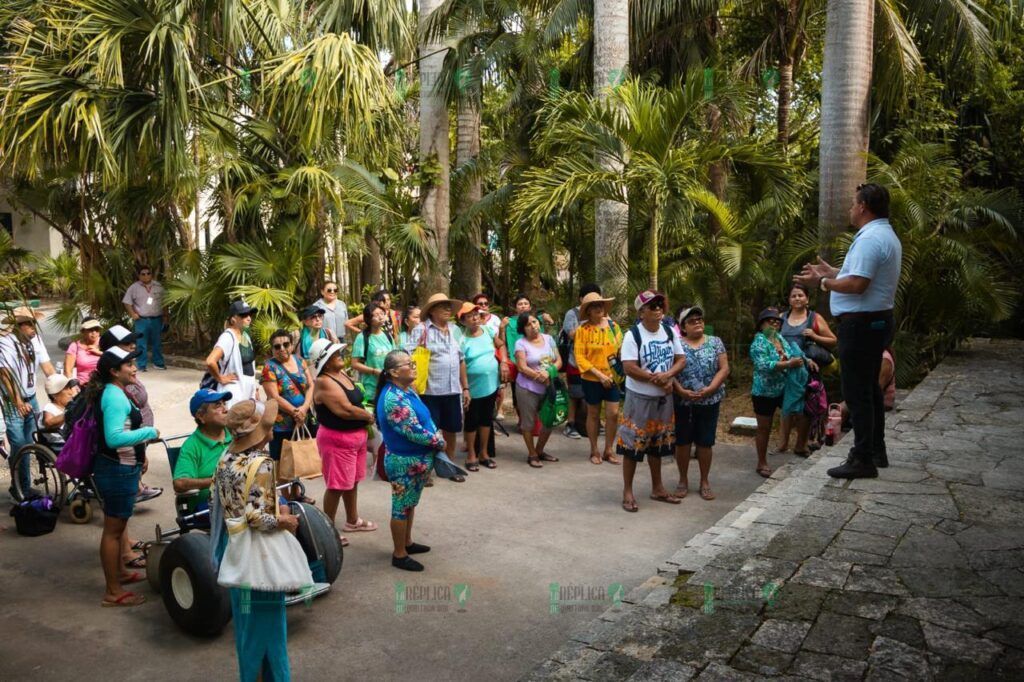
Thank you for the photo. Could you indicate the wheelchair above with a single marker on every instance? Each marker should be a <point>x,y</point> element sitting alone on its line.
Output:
<point>179,568</point>
<point>46,480</point>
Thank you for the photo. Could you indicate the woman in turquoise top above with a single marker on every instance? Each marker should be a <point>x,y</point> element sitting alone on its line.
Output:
<point>312,318</point>
<point>410,441</point>
<point>371,347</point>
<point>481,348</point>
<point>120,463</point>
<point>778,368</point>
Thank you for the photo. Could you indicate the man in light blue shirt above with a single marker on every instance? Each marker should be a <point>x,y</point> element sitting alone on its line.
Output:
<point>863,293</point>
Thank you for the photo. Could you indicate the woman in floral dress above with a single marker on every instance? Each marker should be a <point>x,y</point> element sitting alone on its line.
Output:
<point>410,441</point>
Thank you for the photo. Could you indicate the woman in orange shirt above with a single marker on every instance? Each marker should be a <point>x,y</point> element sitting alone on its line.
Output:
<point>597,348</point>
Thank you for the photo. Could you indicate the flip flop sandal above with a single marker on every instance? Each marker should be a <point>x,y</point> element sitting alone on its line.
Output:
<point>473,466</point>
<point>489,463</point>
<point>342,539</point>
<point>706,493</point>
<point>680,493</point>
<point>141,546</point>
<point>630,506</point>
<point>133,577</point>
<point>595,459</point>
<point>612,459</point>
<point>137,562</point>
<point>534,462</point>
<point>766,472</point>
<point>668,499</point>
<point>545,457</point>
<point>126,599</point>
<point>360,526</point>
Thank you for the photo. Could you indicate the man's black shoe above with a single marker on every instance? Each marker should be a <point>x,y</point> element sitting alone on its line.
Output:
<point>854,467</point>
<point>406,563</point>
<point>881,461</point>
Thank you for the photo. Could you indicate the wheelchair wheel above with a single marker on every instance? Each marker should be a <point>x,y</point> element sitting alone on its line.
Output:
<point>80,510</point>
<point>43,475</point>
<point>188,585</point>
<point>319,539</point>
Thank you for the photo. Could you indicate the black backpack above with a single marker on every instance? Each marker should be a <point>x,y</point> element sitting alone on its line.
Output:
<point>635,331</point>
<point>74,411</point>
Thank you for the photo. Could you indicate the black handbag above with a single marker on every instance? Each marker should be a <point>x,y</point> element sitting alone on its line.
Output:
<point>35,517</point>
<point>819,354</point>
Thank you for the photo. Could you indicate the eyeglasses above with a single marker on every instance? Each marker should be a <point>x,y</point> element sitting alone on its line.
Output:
<point>695,320</point>
<point>483,303</point>
<point>404,364</point>
<point>144,273</point>
<point>282,346</point>
<point>331,291</point>
<point>656,306</point>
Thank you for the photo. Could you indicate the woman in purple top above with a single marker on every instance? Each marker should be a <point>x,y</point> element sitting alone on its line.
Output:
<point>536,354</point>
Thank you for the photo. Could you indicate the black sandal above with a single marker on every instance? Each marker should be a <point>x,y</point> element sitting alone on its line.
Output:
<point>534,462</point>
<point>547,458</point>
<point>489,463</point>
<point>458,478</point>
<point>472,466</point>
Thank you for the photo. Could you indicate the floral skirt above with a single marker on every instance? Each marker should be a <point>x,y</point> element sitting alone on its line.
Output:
<point>408,474</point>
<point>647,427</point>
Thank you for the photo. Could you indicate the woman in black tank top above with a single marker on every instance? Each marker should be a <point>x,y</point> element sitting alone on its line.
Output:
<point>342,435</point>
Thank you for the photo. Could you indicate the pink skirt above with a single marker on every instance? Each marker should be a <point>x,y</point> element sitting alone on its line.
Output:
<point>344,457</point>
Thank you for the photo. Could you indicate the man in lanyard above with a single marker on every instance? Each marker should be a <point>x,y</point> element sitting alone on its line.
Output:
<point>22,353</point>
<point>863,295</point>
<point>144,301</point>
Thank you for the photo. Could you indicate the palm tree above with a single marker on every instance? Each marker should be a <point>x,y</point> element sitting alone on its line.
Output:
<point>434,154</point>
<point>611,216</point>
<point>845,105</point>
<point>662,155</point>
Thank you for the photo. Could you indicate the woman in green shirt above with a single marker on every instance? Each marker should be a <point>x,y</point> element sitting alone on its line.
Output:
<point>371,347</point>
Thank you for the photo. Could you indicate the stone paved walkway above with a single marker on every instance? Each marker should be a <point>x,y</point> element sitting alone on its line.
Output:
<point>918,574</point>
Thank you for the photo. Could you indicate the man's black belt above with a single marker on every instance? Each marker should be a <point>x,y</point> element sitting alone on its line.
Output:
<point>872,315</point>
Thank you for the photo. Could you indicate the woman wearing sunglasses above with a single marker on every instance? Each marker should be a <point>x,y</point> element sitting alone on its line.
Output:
<point>335,310</point>
<point>288,381</point>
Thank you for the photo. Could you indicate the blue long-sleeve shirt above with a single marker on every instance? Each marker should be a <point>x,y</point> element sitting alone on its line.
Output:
<point>117,428</point>
<point>405,423</point>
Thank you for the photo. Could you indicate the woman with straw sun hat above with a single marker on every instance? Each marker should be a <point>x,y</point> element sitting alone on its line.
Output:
<point>596,349</point>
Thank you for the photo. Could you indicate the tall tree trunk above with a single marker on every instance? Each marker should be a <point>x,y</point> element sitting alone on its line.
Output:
<point>434,153</point>
<point>785,99</point>
<point>845,107</point>
<point>371,273</point>
<point>611,218</point>
<point>466,261</point>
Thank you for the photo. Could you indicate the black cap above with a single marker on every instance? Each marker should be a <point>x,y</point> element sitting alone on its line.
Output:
<point>240,307</point>
<point>114,357</point>
<point>769,314</point>
<point>310,311</point>
<point>117,336</point>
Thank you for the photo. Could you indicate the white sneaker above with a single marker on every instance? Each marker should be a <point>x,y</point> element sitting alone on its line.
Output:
<point>570,432</point>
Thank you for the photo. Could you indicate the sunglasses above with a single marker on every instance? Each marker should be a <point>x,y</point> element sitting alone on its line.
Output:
<point>694,320</point>
<point>655,306</point>
<point>331,291</point>
<point>483,303</point>
<point>282,346</point>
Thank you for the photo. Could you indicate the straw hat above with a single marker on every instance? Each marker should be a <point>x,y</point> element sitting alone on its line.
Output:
<point>23,314</point>
<point>592,299</point>
<point>250,422</point>
<point>437,299</point>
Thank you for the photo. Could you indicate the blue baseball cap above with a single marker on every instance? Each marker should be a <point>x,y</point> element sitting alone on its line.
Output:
<point>204,396</point>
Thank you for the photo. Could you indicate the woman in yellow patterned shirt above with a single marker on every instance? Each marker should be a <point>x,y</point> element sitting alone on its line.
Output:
<point>597,348</point>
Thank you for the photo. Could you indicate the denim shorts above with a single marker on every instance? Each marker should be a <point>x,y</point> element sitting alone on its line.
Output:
<point>696,424</point>
<point>117,484</point>
<point>595,393</point>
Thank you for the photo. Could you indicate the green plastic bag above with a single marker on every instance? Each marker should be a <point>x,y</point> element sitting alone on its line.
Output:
<point>555,409</point>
